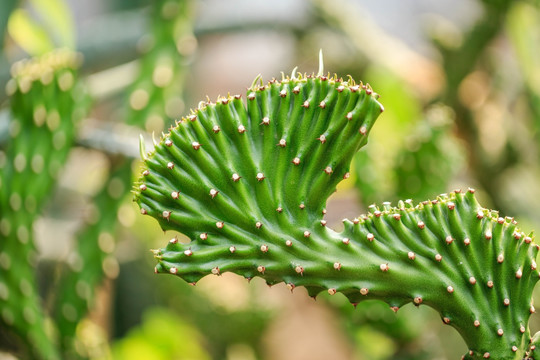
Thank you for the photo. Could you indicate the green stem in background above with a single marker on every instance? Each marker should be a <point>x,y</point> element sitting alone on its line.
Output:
<point>43,104</point>
<point>248,185</point>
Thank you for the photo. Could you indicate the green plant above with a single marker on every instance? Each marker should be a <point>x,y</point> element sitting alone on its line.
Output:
<point>248,186</point>
<point>44,112</point>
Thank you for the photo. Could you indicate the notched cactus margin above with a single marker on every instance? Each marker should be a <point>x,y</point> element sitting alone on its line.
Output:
<point>248,185</point>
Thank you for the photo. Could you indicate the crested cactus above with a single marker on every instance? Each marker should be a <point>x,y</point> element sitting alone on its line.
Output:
<point>248,182</point>
<point>42,130</point>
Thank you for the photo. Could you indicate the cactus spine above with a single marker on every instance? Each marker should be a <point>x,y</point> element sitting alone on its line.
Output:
<point>41,130</point>
<point>248,185</point>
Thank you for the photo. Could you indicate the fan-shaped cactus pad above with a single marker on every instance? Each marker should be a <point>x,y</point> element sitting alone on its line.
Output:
<point>248,183</point>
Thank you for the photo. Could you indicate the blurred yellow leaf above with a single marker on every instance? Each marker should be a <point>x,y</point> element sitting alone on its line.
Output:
<point>57,17</point>
<point>30,36</point>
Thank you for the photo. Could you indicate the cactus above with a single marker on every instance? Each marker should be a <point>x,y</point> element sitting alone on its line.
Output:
<point>248,185</point>
<point>42,130</point>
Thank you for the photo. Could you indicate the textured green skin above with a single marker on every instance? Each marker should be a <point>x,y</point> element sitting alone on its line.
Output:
<point>392,253</point>
<point>21,311</point>
<point>168,26</point>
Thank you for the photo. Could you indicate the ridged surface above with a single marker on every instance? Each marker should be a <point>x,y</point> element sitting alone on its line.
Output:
<point>248,185</point>
<point>41,133</point>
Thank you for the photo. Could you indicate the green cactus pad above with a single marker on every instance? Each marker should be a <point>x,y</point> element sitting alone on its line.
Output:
<point>248,182</point>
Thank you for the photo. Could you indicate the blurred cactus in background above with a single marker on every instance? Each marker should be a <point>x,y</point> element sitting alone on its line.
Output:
<point>44,96</point>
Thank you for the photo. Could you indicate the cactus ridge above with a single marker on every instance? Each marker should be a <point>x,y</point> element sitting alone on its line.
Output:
<point>248,185</point>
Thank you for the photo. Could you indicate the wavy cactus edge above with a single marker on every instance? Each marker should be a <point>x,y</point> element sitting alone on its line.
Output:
<point>288,241</point>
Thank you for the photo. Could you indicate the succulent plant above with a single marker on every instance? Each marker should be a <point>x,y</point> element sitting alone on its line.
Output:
<point>43,109</point>
<point>248,184</point>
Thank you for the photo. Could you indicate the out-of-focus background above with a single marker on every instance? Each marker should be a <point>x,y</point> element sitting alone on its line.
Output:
<point>460,82</point>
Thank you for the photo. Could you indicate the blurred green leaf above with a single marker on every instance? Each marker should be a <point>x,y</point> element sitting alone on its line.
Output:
<point>56,16</point>
<point>162,335</point>
<point>30,36</point>
<point>523,24</point>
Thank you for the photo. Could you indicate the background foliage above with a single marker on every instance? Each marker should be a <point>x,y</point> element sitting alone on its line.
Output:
<point>460,84</point>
